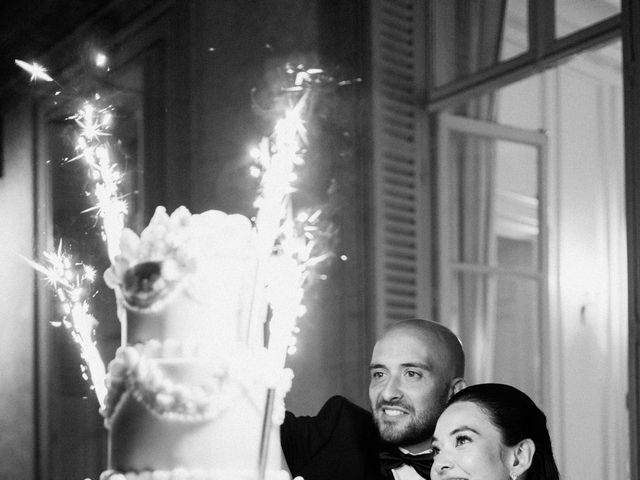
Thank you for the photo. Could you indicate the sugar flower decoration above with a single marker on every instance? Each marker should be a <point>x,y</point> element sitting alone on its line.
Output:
<point>171,249</point>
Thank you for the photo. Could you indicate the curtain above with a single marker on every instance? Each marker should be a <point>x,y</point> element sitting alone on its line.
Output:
<point>478,293</point>
<point>473,45</point>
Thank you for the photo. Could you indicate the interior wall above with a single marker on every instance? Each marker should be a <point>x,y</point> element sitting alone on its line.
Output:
<point>17,415</point>
<point>592,279</point>
<point>579,105</point>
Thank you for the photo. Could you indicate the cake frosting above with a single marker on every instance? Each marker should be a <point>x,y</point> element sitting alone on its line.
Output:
<point>187,389</point>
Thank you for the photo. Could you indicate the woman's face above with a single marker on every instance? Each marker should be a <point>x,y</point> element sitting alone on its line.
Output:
<point>468,446</point>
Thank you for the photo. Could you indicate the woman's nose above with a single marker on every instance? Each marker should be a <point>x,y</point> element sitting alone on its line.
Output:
<point>441,464</point>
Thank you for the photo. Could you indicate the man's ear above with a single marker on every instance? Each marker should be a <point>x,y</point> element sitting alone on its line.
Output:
<point>457,384</point>
<point>523,456</point>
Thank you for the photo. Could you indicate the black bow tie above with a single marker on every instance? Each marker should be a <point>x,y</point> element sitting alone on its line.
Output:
<point>391,457</point>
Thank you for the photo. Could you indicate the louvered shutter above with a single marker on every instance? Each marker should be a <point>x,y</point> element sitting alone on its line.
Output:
<point>399,141</point>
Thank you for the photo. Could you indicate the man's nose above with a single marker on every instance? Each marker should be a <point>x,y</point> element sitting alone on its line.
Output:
<point>392,389</point>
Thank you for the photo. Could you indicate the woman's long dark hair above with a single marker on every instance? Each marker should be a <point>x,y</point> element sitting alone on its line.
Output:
<point>517,417</point>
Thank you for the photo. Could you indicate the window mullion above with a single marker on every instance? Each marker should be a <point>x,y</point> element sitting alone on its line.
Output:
<point>631,54</point>
<point>495,270</point>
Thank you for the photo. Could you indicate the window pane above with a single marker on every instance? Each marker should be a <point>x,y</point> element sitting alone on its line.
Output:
<point>471,36</point>
<point>517,317</point>
<point>516,205</point>
<point>492,313</point>
<point>515,37</point>
<point>493,207</point>
<point>574,15</point>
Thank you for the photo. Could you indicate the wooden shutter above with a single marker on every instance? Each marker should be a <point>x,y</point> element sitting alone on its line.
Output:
<point>399,145</point>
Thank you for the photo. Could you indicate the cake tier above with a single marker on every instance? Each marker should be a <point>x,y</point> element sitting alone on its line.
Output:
<point>176,413</point>
<point>199,310</point>
<point>183,318</point>
<point>187,277</point>
<point>141,439</point>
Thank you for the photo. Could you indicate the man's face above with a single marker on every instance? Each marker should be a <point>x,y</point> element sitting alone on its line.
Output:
<point>407,388</point>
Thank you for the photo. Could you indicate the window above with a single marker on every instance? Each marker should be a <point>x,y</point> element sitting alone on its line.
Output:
<point>492,264</point>
<point>531,253</point>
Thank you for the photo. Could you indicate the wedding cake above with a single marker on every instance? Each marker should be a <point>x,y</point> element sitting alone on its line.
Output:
<point>187,391</point>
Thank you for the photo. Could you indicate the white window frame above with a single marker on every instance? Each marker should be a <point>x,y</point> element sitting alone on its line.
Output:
<point>448,123</point>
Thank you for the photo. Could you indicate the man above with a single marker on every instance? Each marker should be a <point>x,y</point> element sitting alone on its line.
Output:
<point>415,367</point>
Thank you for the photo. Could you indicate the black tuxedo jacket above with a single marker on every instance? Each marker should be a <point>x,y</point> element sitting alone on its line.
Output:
<point>341,442</point>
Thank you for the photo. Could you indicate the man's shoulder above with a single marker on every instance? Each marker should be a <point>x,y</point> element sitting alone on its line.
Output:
<point>348,417</point>
<point>338,403</point>
<point>337,412</point>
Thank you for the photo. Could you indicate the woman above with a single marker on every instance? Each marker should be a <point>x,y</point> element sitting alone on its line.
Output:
<point>492,432</point>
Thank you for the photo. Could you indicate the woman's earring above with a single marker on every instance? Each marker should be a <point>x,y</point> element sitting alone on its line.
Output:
<point>513,475</point>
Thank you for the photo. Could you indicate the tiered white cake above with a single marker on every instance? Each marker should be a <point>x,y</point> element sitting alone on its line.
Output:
<point>187,393</point>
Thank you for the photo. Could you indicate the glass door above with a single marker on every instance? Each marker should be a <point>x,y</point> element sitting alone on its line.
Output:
<point>492,248</point>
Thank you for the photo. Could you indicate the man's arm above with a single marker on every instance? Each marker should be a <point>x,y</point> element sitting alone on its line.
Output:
<point>303,437</point>
<point>338,443</point>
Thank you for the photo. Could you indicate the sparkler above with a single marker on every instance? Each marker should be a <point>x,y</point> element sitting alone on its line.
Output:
<point>110,206</point>
<point>291,246</point>
<point>93,126</point>
<point>38,72</point>
<point>72,283</point>
<point>286,251</point>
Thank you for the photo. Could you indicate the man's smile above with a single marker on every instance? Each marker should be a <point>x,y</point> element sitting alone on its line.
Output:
<point>393,412</point>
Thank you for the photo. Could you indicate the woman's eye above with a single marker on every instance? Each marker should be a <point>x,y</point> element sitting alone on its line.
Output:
<point>435,451</point>
<point>462,439</point>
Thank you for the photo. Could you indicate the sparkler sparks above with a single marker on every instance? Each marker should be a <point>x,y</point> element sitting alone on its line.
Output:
<point>93,123</point>
<point>38,72</point>
<point>287,244</point>
<point>72,283</point>
<point>110,206</point>
<point>291,246</point>
<point>100,60</point>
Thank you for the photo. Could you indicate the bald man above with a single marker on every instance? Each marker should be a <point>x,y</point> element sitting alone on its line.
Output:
<point>416,365</point>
